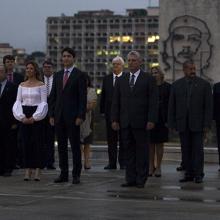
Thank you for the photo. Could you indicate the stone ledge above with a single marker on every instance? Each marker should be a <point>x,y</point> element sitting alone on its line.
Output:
<point>172,152</point>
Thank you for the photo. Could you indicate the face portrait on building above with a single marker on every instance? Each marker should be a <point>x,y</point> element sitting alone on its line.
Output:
<point>188,39</point>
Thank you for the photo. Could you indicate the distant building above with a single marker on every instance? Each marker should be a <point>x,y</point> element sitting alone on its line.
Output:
<point>5,49</point>
<point>98,36</point>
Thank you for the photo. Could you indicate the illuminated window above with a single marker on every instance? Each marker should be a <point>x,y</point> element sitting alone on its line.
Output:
<point>124,39</point>
<point>114,39</point>
<point>127,39</point>
<point>153,38</point>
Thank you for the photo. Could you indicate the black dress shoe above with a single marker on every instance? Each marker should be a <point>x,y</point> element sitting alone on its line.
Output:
<point>186,179</point>
<point>61,179</point>
<point>87,167</point>
<point>128,184</point>
<point>76,180</point>
<point>180,168</point>
<point>51,167</point>
<point>110,167</point>
<point>198,179</point>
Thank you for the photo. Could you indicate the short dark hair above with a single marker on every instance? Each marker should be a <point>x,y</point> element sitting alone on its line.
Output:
<point>48,62</point>
<point>69,50</point>
<point>8,57</point>
<point>188,62</point>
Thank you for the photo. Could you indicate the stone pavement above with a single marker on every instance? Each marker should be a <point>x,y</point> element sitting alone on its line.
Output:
<point>100,196</point>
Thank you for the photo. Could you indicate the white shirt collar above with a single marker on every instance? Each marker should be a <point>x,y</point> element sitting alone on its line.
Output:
<point>136,73</point>
<point>69,69</point>
<point>118,75</point>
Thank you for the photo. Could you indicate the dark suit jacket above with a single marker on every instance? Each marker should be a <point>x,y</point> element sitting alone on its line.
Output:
<point>69,102</point>
<point>164,94</point>
<point>216,102</point>
<point>137,107</point>
<point>200,105</point>
<point>7,101</point>
<point>107,96</point>
<point>17,78</point>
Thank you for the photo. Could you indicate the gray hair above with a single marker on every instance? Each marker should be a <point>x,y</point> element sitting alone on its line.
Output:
<point>118,58</point>
<point>134,53</point>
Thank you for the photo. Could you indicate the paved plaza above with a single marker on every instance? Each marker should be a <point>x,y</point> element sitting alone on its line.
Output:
<point>100,196</point>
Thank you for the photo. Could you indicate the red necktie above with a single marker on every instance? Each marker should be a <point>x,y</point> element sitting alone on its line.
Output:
<point>10,77</point>
<point>65,77</point>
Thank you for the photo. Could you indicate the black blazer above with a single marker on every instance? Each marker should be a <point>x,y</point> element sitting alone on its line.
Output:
<point>70,102</point>
<point>17,78</point>
<point>7,101</point>
<point>216,102</point>
<point>164,94</point>
<point>200,105</point>
<point>107,96</point>
<point>137,107</point>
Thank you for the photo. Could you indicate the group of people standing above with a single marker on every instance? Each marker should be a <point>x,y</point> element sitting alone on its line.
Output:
<point>143,109</point>
<point>139,109</point>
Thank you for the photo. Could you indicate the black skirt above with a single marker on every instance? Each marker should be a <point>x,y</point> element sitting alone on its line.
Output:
<point>159,134</point>
<point>32,141</point>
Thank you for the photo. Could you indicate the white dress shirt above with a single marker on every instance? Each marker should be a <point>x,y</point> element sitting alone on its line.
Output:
<point>50,83</point>
<point>136,75</point>
<point>116,75</point>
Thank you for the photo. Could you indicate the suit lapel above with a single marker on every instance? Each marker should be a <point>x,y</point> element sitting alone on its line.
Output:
<point>5,90</point>
<point>111,83</point>
<point>138,80</point>
<point>70,79</point>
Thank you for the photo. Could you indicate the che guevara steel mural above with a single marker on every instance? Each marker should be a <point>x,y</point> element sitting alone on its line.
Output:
<point>188,39</point>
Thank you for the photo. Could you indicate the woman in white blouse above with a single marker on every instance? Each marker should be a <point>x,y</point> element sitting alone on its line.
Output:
<point>31,108</point>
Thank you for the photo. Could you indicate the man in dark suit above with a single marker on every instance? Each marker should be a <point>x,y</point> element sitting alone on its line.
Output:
<point>9,63</point>
<point>113,137</point>
<point>16,78</point>
<point>7,124</point>
<point>190,113</point>
<point>67,108</point>
<point>49,129</point>
<point>134,112</point>
<point>216,114</point>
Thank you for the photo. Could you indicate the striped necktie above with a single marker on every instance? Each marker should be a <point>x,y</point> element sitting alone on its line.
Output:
<point>131,83</point>
<point>48,86</point>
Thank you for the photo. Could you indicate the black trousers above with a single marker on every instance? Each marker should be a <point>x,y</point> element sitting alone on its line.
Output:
<point>218,138</point>
<point>65,131</point>
<point>49,132</point>
<point>7,149</point>
<point>137,154</point>
<point>113,139</point>
<point>193,153</point>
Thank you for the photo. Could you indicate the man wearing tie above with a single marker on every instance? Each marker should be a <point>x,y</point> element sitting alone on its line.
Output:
<point>67,109</point>
<point>7,124</point>
<point>49,129</point>
<point>9,63</point>
<point>134,112</point>
<point>16,78</point>
<point>113,137</point>
<point>190,113</point>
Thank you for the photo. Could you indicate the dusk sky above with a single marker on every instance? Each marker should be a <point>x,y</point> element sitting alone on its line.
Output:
<point>23,22</point>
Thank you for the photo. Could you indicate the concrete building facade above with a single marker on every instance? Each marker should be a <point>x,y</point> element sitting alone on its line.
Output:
<point>189,29</point>
<point>99,36</point>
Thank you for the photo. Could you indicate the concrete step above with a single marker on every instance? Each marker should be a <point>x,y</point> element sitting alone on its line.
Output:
<point>172,152</point>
